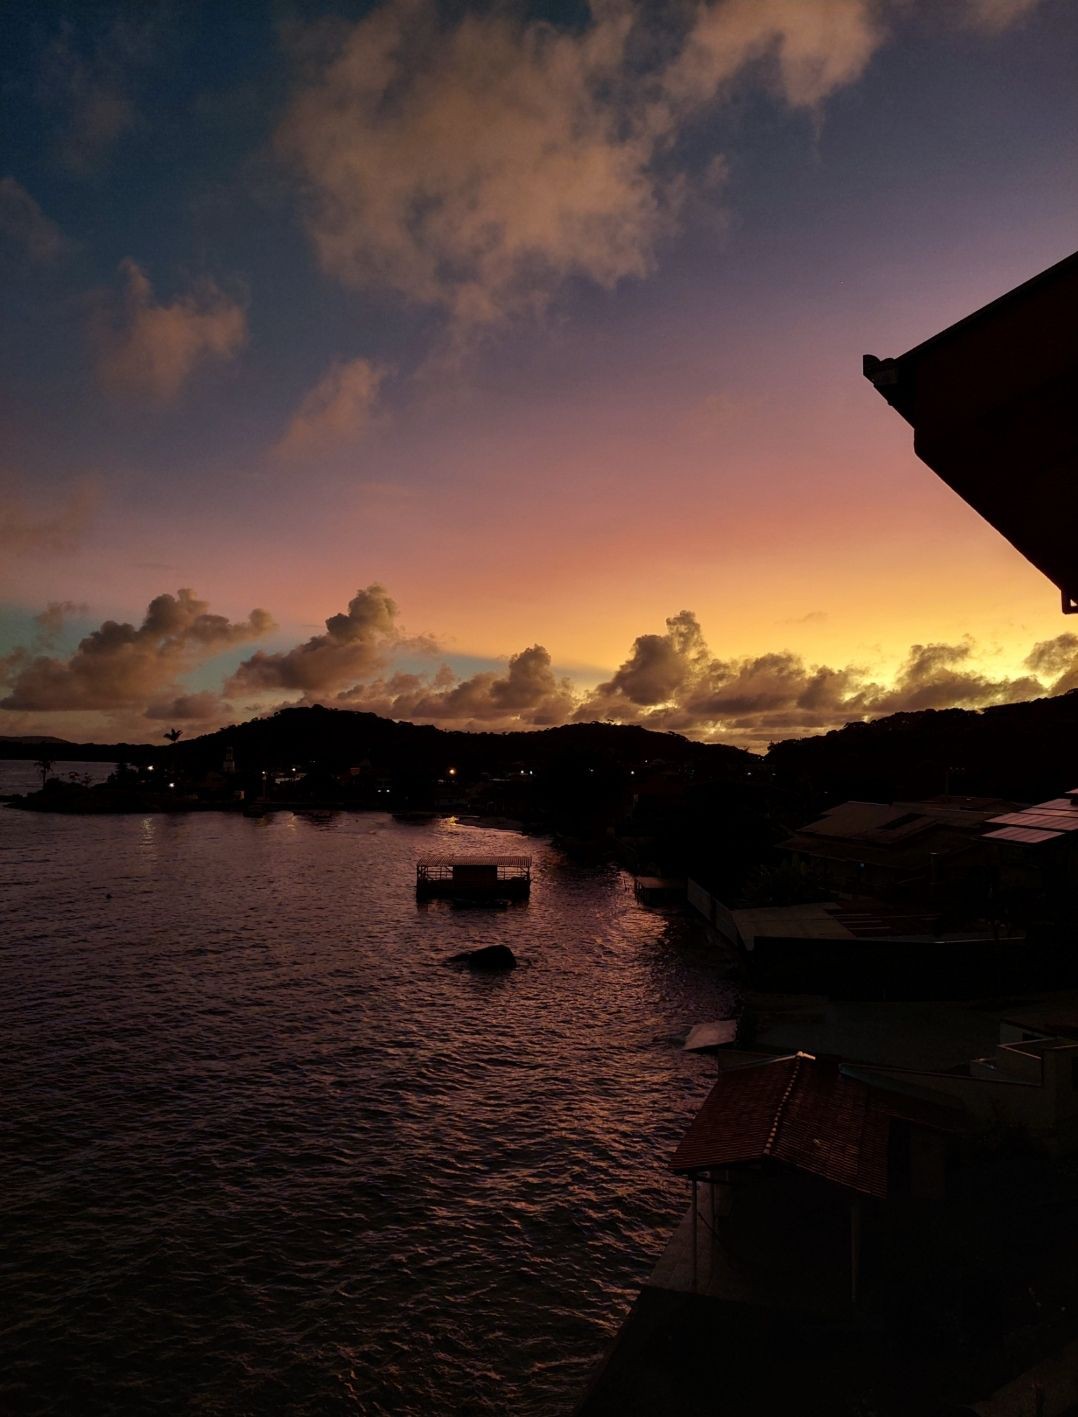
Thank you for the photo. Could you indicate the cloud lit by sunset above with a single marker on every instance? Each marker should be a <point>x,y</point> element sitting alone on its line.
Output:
<point>508,362</point>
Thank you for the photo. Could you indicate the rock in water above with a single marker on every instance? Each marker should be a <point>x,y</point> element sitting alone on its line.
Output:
<point>490,957</point>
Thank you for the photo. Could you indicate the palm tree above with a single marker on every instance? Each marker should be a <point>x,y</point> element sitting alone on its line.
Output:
<point>173,735</point>
<point>46,765</point>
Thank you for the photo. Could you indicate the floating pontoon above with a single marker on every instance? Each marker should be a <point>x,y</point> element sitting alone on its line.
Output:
<point>476,877</point>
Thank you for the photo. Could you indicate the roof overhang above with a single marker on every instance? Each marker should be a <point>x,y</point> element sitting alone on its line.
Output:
<point>992,404</point>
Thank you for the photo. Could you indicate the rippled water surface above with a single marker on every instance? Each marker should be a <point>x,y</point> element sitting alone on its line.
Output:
<point>267,1153</point>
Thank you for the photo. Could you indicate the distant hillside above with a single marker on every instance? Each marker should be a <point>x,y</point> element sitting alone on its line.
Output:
<point>36,739</point>
<point>1026,751</point>
<point>342,738</point>
<point>64,751</point>
<point>337,738</point>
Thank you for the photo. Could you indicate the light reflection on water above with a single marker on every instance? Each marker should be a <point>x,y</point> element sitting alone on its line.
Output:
<point>269,1153</point>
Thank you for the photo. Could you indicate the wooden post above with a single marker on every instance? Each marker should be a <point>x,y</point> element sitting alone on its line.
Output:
<point>711,1247</point>
<point>695,1238</point>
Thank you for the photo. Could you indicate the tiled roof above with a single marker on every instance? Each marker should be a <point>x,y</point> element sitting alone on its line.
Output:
<point>805,1113</point>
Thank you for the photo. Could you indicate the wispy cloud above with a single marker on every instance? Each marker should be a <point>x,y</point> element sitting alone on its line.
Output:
<point>25,226</point>
<point>28,528</point>
<point>153,347</point>
<point>810,617</point>
<point>336,412</point>
<point>477,164</point>
<point>477,161</point>
<point>88,79</point>
<point>997,15</point>
<point>52,620</point>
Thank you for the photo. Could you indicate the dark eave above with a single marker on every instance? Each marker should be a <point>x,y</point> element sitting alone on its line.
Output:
<point>992,402</point>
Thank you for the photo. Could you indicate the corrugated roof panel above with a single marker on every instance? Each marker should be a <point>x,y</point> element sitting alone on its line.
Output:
<point>1053,821</point>
<point>1030,835</point>
<point>520,861</point>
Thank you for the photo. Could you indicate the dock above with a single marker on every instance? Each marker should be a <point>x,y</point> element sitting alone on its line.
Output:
<point>473,878</point>
<point>658,890</point>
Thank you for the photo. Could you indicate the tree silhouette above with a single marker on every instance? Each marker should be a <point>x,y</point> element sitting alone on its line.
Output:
<point>46,766</point>
<point>173,735</point>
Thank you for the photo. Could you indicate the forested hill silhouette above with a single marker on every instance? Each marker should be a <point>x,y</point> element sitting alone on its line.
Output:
<point>1026,751</point>
<point>342,737</point>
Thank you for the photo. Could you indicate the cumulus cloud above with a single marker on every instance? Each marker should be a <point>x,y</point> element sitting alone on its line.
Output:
<point>527,695</point>
<point>469,164</point>
<point>357,641</point>
<point>121,666</point>
<point>205,707</point>
<point>672,681</point>
<point>939,676</point>
<point>660,666</point>
<point>25,226</point>
<point>669,681</point>
<point>476,163</point>
<point>34,530</point>
<point>1056,660</point>
<point>153,347</point>
<point>336,411</point>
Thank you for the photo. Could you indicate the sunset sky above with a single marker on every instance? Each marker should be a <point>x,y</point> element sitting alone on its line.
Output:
<point>522,345</point>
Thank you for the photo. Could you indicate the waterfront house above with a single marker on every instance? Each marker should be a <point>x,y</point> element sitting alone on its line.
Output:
<point>873,949</point>
<point>1024,1092</point>
<point>929,851</point>
<point>1034,857</point>
<point>788,1158</point>
<point>1013,1077</point>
